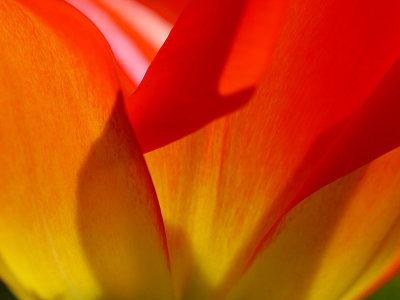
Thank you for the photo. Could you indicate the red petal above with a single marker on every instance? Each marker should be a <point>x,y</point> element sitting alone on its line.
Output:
<point>169,9</point>
<point>209,66</point>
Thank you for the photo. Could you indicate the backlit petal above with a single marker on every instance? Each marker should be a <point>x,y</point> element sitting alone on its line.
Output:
<point>224,187</point>
<point>209,66</point>
<point>134,31</point>
<point>169,9</point>
<point>79,218</point>
<point>336,243</point>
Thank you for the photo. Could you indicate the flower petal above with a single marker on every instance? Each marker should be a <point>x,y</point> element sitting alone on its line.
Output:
<point>79,217</point>
<point>208,66</point>
<point>336,243</point>
<point>169,9</point>
<point>134,32</point>
<point>240,174</point>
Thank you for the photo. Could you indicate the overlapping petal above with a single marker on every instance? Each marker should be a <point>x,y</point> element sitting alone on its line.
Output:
<point>77,192</point>
<point>79,217</point>
<point>223,188</point>
<point>337,244</point>
<point>134,31</point>
<point>201,72</point>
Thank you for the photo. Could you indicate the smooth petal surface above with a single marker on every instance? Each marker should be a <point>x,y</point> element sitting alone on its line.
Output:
<point>169,9</point>
<point>134,31</point>
<point>209,66</point>
<point>337,243</point>
<point>222,189</point>
<point>79,217</point>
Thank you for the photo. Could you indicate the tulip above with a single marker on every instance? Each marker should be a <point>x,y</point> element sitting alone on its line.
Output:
<point>255,158</point>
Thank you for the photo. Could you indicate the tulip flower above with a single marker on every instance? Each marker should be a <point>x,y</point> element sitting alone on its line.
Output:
<point>199,149</point>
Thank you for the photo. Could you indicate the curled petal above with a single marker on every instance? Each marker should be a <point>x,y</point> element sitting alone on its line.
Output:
<point>210,65</point>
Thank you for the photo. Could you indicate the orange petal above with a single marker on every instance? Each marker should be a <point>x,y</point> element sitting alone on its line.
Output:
<point>336,243</point>
<point>79,217</point>
<point>222,188</point>
<point>134,31</point>
<point>210,65</point>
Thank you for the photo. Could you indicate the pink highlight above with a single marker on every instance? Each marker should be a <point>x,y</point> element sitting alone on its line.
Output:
<point>126,52</point>
<point>151,26</point>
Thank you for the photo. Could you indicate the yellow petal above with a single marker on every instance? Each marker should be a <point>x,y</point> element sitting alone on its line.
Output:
<point>79,217</point>
<point>336,243</point>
